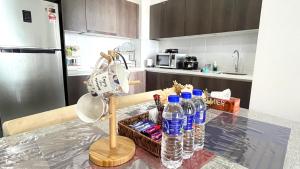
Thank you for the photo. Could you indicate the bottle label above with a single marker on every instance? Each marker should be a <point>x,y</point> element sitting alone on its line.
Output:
<point>173,126</point>
<point>200,117</point>
<point>188,122</point>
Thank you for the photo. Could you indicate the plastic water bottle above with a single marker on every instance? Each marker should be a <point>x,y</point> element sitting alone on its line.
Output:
<point>199,122</point>
<point>171,144</point>
<point>188,122</point>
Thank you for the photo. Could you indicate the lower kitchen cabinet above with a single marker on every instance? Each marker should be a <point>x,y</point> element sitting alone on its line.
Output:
<point>239,89</point>
<point>76,88</point>
<point>139,88</point>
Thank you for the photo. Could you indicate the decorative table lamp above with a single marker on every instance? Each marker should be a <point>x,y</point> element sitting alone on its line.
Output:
<point>108,81</point>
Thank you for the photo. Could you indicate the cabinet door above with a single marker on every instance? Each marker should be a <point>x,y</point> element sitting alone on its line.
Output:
<point>76,88</point>
<point>173,13</point>
<point>155,21</point>
<point>248,14</point>
<point>73,13</point>
<point>101,16</point>
<point>239,89</point>
<point>152,80</point>
<point>223,15</point>
<point>128,19</point>
<point>139,88</point>
<point>198,17</point>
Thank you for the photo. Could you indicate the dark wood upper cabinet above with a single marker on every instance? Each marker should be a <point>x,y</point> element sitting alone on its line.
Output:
<point>155,20</point>
<point>198,18</point>
<point>193,17</point>
<point>110,17</point>
<point>223,15</point>
<point>128,19</point>
<point>101,16</point>
<point>248,14</point>
<point>73,13</point>
<point>167,19</point>
<point>173,16</point>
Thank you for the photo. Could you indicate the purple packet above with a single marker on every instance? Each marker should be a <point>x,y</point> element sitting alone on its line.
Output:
<point>158,140</point>
<point>152,130</point>
<point>157,135</point>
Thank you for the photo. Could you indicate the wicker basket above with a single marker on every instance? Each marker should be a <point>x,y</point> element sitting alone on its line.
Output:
<point>141,140</point>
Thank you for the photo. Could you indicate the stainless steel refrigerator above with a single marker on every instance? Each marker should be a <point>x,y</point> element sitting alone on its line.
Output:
<point>31,71</point>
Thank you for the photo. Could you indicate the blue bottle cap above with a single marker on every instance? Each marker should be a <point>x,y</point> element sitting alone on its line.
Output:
<point>173,99</point>
<point>197,92</point>
<point>186,95</point>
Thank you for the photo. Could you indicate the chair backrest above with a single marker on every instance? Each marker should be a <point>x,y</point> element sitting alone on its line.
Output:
<point>39,120</point>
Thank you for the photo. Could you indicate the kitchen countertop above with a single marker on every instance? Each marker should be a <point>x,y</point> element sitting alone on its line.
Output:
<point>248,140</point>
<point>86,71</point>
<point>247,78</point>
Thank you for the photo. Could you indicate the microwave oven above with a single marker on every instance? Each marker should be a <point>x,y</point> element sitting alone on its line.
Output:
<point>169,60</point>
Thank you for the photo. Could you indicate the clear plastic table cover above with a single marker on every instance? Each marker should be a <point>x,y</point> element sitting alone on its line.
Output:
<point>229,143</point>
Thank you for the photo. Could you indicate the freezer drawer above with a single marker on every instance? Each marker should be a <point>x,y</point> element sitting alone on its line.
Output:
<point>29,24</point>
<point>30,83</point>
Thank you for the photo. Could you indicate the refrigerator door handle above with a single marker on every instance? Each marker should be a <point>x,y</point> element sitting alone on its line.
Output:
<point>15,50</point>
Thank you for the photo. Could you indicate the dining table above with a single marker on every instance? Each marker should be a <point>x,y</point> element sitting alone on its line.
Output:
<point>245,139</point>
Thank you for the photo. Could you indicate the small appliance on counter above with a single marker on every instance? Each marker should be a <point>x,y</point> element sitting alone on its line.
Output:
<point>190,63</point>
<point>170,59</point>
<point>149,63</point>
<point>171,51</point>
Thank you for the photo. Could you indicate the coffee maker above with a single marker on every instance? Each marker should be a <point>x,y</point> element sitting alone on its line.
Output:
<point>190,63</point>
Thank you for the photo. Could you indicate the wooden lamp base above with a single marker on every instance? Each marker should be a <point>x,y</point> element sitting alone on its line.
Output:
<point>102,155</point>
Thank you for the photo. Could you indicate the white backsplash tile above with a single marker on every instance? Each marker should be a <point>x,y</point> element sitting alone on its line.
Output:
<point>91,46</point>
<point>218,48</point>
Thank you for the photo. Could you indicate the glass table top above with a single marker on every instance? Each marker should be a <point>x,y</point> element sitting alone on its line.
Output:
<point>249,140</point>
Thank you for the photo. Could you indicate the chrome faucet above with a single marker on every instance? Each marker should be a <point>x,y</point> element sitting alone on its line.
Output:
<point>236,65</point>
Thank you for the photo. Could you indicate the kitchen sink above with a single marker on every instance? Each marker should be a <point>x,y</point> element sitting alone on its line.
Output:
<point>233,73</point>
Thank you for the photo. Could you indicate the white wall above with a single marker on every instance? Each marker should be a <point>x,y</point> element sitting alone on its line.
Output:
<point>276,80</point>
<point>91,46</point>
<point>148,48</point>
<point>152,2</point>
<point>219,48</point>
